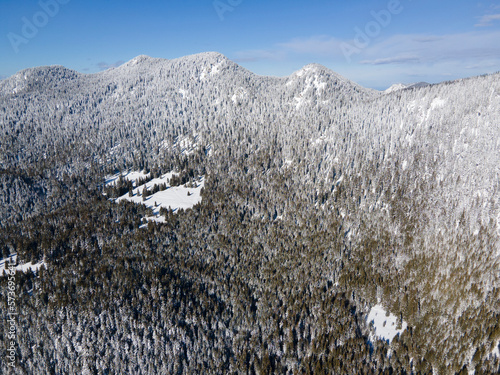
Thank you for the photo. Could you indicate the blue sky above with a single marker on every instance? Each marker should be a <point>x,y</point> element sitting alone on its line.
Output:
<point>373,42</point>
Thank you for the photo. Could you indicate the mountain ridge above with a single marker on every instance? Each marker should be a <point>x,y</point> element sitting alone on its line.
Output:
<point>145,62</point>
<point>324,204</point>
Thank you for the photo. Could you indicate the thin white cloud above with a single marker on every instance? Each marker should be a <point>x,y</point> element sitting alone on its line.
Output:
<point>322,45</point>
<point>391,60</point>
<point>487,20</point>
<point>429,57</point>
<point>468,48</point>
<point>397,49</point>
<point>427,39</point>
<point>483,65</point>
<point>319,45</point>
<point>258,55</point>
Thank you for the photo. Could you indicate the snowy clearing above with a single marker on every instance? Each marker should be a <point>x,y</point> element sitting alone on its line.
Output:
<point>173,197</point>
<point>438,103</point>
<point>385,326</point>
<point>133,176</point>
<point>239,96</point>
<point>496,350</point>
<point>213,70</point>
<point>4,263</point>
<point>187,145</point>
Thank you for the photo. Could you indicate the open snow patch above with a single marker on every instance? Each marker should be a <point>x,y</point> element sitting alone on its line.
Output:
<point>438,103</point>
<point>239,96</point>
<point>212,71</point>
<point>186,145</point>
<point>133,176</point>
<point>319,84</point>
<point>385,325</point>
<point>300,101</point>
<point>172,197</point>
<point>5,263</point>
<point>496,351</point>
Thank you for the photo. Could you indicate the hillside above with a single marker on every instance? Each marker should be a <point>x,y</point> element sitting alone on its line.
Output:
<point>302,209</point>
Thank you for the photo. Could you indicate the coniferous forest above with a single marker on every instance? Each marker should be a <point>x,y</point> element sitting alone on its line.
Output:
<point>321,200</point>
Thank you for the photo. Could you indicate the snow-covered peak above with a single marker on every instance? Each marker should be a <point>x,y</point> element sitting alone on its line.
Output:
<point>321,74</point>
<point>402,86</point>
<point>309,69</point>
<point>395,87</point>
<point>204,59</point>
<point>141,59</point>
<point>200,58</point>
<point>315,84</point>
<point>54,72</point>
<point>317,70</point>
<point>215,56</point>
<point>307,74</point>
<point>46,76</point>
<point>141,62</point>
<point>204,65</point>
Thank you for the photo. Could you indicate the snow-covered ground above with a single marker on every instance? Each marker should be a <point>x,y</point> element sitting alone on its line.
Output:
<point>187,145</point>
<point>211,70</point>
<point>239,95</point>
<point>4,263</point>
<point>385,326</point>
<point>438,103</point>
<point>174,198</point>
<point>496,351</point>
<point>133,176</point>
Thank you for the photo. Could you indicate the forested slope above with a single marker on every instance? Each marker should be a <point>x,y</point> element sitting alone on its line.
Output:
<point>321,200</point>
